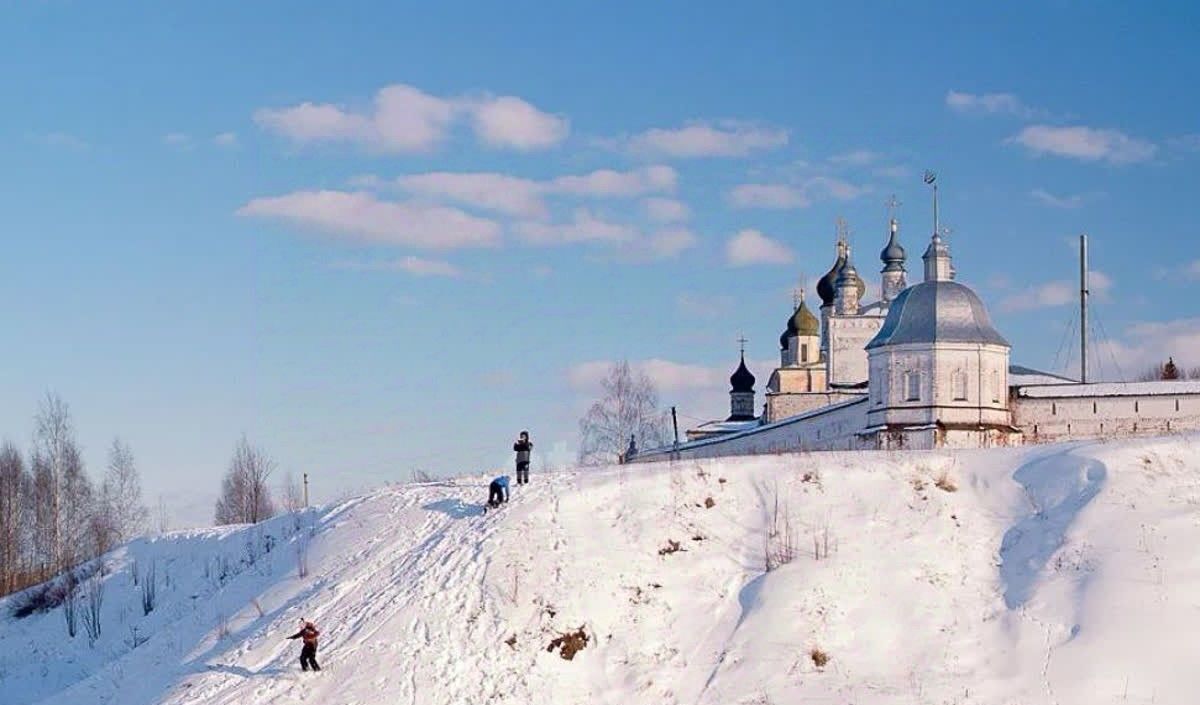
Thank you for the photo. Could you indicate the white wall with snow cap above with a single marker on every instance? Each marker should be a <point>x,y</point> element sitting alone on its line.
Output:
<point>1048,413</point>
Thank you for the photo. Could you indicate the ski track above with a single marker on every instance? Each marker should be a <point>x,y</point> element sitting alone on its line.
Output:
<point>435,568</point>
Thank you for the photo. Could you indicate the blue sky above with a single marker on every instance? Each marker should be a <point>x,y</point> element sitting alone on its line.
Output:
<point>378,236</point>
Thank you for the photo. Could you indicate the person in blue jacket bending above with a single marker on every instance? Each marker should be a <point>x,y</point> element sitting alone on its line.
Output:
<point>498,491</point>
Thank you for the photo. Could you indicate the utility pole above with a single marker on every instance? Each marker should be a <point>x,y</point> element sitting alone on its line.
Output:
<point>306,490</point>
<point>1083,309</point>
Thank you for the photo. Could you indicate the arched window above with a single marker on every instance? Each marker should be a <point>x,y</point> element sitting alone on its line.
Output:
<point>959,383</point>
<point>912,386</point>
<point>804,352</point>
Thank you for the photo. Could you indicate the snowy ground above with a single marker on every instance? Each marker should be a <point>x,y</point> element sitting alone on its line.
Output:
<point>1053,574</point>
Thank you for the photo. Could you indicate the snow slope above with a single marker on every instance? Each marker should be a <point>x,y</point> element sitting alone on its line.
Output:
<point>1051,574</point>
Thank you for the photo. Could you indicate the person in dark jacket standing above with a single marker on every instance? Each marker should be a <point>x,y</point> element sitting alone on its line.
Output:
<point>497,493</point>
<point>308,654</point>
<point>524,448</point>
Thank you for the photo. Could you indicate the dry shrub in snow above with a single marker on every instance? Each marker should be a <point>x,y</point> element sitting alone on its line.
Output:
<point>709,503</point>
<point>569,643</point>
<point>671,547</point>
<point>819,658</point>
<point>945,484</point>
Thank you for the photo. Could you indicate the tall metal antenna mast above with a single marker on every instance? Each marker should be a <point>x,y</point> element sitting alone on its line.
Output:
<point>1083,309</point>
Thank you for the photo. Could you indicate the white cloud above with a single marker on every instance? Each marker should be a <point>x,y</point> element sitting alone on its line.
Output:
<point>1056,293</point>
<point>606,182</point>
<point>524,197</point>
<point>991,103</point>
<point>1073,201</point>
<point>406,119</point>
<point>670,242</point>
<point>178,140</point>
<point>510,195</point>
<point>752,247</point>
<point>814,189</point>
<point>361,217</point>
<point>225,139</point>
<point>417,266</point>
<point>1146,343</point>
<point>510,122</point>
<point>666,210</point>
<point>584,227</point>
<point>728,138</point>
<point>891,172</point>
<point>858,157</point>
<point>1085,143</point>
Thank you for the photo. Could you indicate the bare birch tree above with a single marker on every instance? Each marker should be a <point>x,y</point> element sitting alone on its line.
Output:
<point>628,407</point>
<point>124,514</point>
<point>245,495</point>
<point>53,441</point>
<point>14,486</point>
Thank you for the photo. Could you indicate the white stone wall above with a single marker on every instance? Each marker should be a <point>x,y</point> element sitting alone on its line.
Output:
<point>958,384</point>
<point>1049,419</point>
<point>834,428</point>
<point>781,406</point>
<point>847,342</point>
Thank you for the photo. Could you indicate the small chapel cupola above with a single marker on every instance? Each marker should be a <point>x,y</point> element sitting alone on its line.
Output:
<point>938,267</point>
<point>893,257</point>
<point>801,340</point>
<point>850,288</point>
<point>741,390</point>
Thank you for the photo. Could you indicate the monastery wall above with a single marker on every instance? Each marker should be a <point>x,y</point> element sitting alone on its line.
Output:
<point>831,428</point>
<point>1061,412</point>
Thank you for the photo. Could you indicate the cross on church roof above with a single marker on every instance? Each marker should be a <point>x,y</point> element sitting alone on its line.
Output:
<point>843,231</point>
<point>742,343</point>
<point>892,204</point>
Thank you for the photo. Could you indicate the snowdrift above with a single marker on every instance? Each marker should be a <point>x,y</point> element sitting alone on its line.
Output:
<point>1052,574</point>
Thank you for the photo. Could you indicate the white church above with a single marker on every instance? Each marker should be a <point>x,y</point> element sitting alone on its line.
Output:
<point>921,368</point>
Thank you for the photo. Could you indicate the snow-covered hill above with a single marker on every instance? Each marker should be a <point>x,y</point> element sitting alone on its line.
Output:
<point>1052,574</point>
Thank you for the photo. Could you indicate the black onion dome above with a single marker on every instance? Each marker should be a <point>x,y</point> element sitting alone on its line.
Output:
<point>893,254</point>
<point>742,380</point>
<point>827,286</point>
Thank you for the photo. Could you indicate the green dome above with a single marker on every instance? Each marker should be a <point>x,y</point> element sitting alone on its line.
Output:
<point>803,322</point>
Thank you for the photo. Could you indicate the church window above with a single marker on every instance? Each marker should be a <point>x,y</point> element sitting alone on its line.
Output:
<point>1137,407</point>
<point>804,352</point>
<point>1176,405</point>
<point>995,387</point>
<point>960,385</point>
<point>912,386</point>
<point>1095,408</point>
<point>1053,409</point>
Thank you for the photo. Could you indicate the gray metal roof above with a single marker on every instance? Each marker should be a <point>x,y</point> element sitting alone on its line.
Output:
<point>940,311</point>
